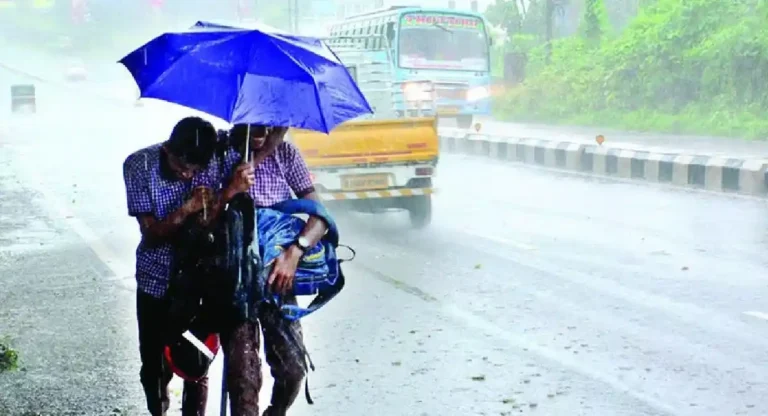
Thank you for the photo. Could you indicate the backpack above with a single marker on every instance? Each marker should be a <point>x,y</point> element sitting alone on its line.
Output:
<point>319,272</point>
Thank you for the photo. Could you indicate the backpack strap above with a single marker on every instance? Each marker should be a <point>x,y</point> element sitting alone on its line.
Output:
<point>295,312</point>
<point>306,360</point>
<point>316,209</point>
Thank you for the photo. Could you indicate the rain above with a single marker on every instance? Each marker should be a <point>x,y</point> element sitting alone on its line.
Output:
<point>556,207</point>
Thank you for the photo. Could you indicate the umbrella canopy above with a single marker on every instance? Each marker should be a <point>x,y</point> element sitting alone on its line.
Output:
<point>248,76</point>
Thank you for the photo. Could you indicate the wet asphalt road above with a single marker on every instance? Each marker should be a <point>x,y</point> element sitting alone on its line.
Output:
<point>532,293</point>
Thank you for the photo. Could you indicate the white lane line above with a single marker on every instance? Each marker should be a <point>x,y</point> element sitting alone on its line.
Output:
<point>496,239</point>
<point>756,314</point>
<point>59,210</point>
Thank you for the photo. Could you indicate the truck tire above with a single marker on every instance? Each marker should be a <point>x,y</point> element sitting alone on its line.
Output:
<point>420,211</point>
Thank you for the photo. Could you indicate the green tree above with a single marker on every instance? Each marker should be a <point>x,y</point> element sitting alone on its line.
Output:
<point>505,14</point>
<point>698,66</point>
<point>535,22</point>
<point>595,21</point>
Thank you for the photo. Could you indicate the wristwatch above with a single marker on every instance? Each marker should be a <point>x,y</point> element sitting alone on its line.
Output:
<point>303,243</point>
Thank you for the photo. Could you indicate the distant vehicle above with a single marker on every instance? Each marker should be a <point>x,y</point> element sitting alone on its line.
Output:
<point>413,64</point>
<point>448,47</point>
<point>384,161</point>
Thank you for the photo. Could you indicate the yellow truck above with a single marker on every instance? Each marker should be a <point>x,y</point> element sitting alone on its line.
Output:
<point>382,162</point>
<point>373,166</point>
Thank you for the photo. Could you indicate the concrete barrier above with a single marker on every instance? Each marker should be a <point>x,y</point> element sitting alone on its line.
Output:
<point>714,173</point>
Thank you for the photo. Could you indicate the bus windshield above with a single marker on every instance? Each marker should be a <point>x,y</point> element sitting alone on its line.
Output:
<point>442,41</point>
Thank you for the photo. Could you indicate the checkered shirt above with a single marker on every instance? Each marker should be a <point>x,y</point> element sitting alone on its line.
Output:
<point>148,193</point>
<point>276,176</point>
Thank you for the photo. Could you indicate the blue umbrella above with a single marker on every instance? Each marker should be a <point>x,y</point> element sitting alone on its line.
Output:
<point>248,76</point>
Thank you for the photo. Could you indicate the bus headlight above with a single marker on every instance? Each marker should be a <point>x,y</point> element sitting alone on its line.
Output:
<point>417,92</point>
<point>477,93</point>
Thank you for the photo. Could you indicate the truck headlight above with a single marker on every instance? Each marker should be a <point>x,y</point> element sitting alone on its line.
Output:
<point>417,92</point>
<point>477,93</point>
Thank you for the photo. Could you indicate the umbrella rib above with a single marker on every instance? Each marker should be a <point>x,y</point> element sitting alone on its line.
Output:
<point>291,39</point>
<point>314,81</point>
<point>241,81</point>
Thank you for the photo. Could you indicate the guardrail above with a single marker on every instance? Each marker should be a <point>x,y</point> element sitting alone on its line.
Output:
<point>714,173</point>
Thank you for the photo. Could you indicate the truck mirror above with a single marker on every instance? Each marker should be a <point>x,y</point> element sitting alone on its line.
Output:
<point>391,33</point>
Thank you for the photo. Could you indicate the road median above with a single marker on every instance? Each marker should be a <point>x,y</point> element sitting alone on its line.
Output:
<point>677,167</point>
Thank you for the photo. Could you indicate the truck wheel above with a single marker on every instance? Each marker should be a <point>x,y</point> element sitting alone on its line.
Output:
<point>420,211</point>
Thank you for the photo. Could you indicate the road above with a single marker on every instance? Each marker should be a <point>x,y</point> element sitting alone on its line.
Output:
<point>533,292</point>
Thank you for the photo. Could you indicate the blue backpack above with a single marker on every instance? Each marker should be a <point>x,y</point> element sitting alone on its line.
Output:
<point>256,237</point>
<point>319,271</point>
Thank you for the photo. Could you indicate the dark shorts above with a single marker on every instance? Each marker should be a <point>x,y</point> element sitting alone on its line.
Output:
<point>155,374</point>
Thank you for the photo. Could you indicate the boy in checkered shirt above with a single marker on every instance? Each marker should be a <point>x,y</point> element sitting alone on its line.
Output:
<point>276,172</point>
<point>166,184</point>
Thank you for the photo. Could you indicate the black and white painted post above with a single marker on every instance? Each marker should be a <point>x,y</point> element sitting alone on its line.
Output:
<point>23,98</point>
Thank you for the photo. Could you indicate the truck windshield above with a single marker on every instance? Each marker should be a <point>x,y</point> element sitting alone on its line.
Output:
<point>433,41</point>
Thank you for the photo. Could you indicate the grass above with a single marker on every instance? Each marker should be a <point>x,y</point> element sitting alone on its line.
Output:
<point>695,120</point>
<point>9,357</point>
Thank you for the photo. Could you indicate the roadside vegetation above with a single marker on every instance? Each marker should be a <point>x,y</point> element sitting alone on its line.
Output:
<point>9,358</point>
<point>698,66</point>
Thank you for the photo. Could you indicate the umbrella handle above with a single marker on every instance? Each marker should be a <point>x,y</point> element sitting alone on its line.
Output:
<point>224,388</point>
<point>246,156</point>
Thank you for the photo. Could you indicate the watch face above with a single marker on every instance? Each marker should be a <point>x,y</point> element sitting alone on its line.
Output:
<point>303,242</point>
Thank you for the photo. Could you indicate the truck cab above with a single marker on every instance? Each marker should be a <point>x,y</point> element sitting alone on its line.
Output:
<point>379,162</point>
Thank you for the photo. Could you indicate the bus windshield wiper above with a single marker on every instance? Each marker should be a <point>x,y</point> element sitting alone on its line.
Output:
<point>437,25</point>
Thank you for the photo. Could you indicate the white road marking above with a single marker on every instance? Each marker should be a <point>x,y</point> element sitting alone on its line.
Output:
<point>58,209</point>
<point>756,314</point>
